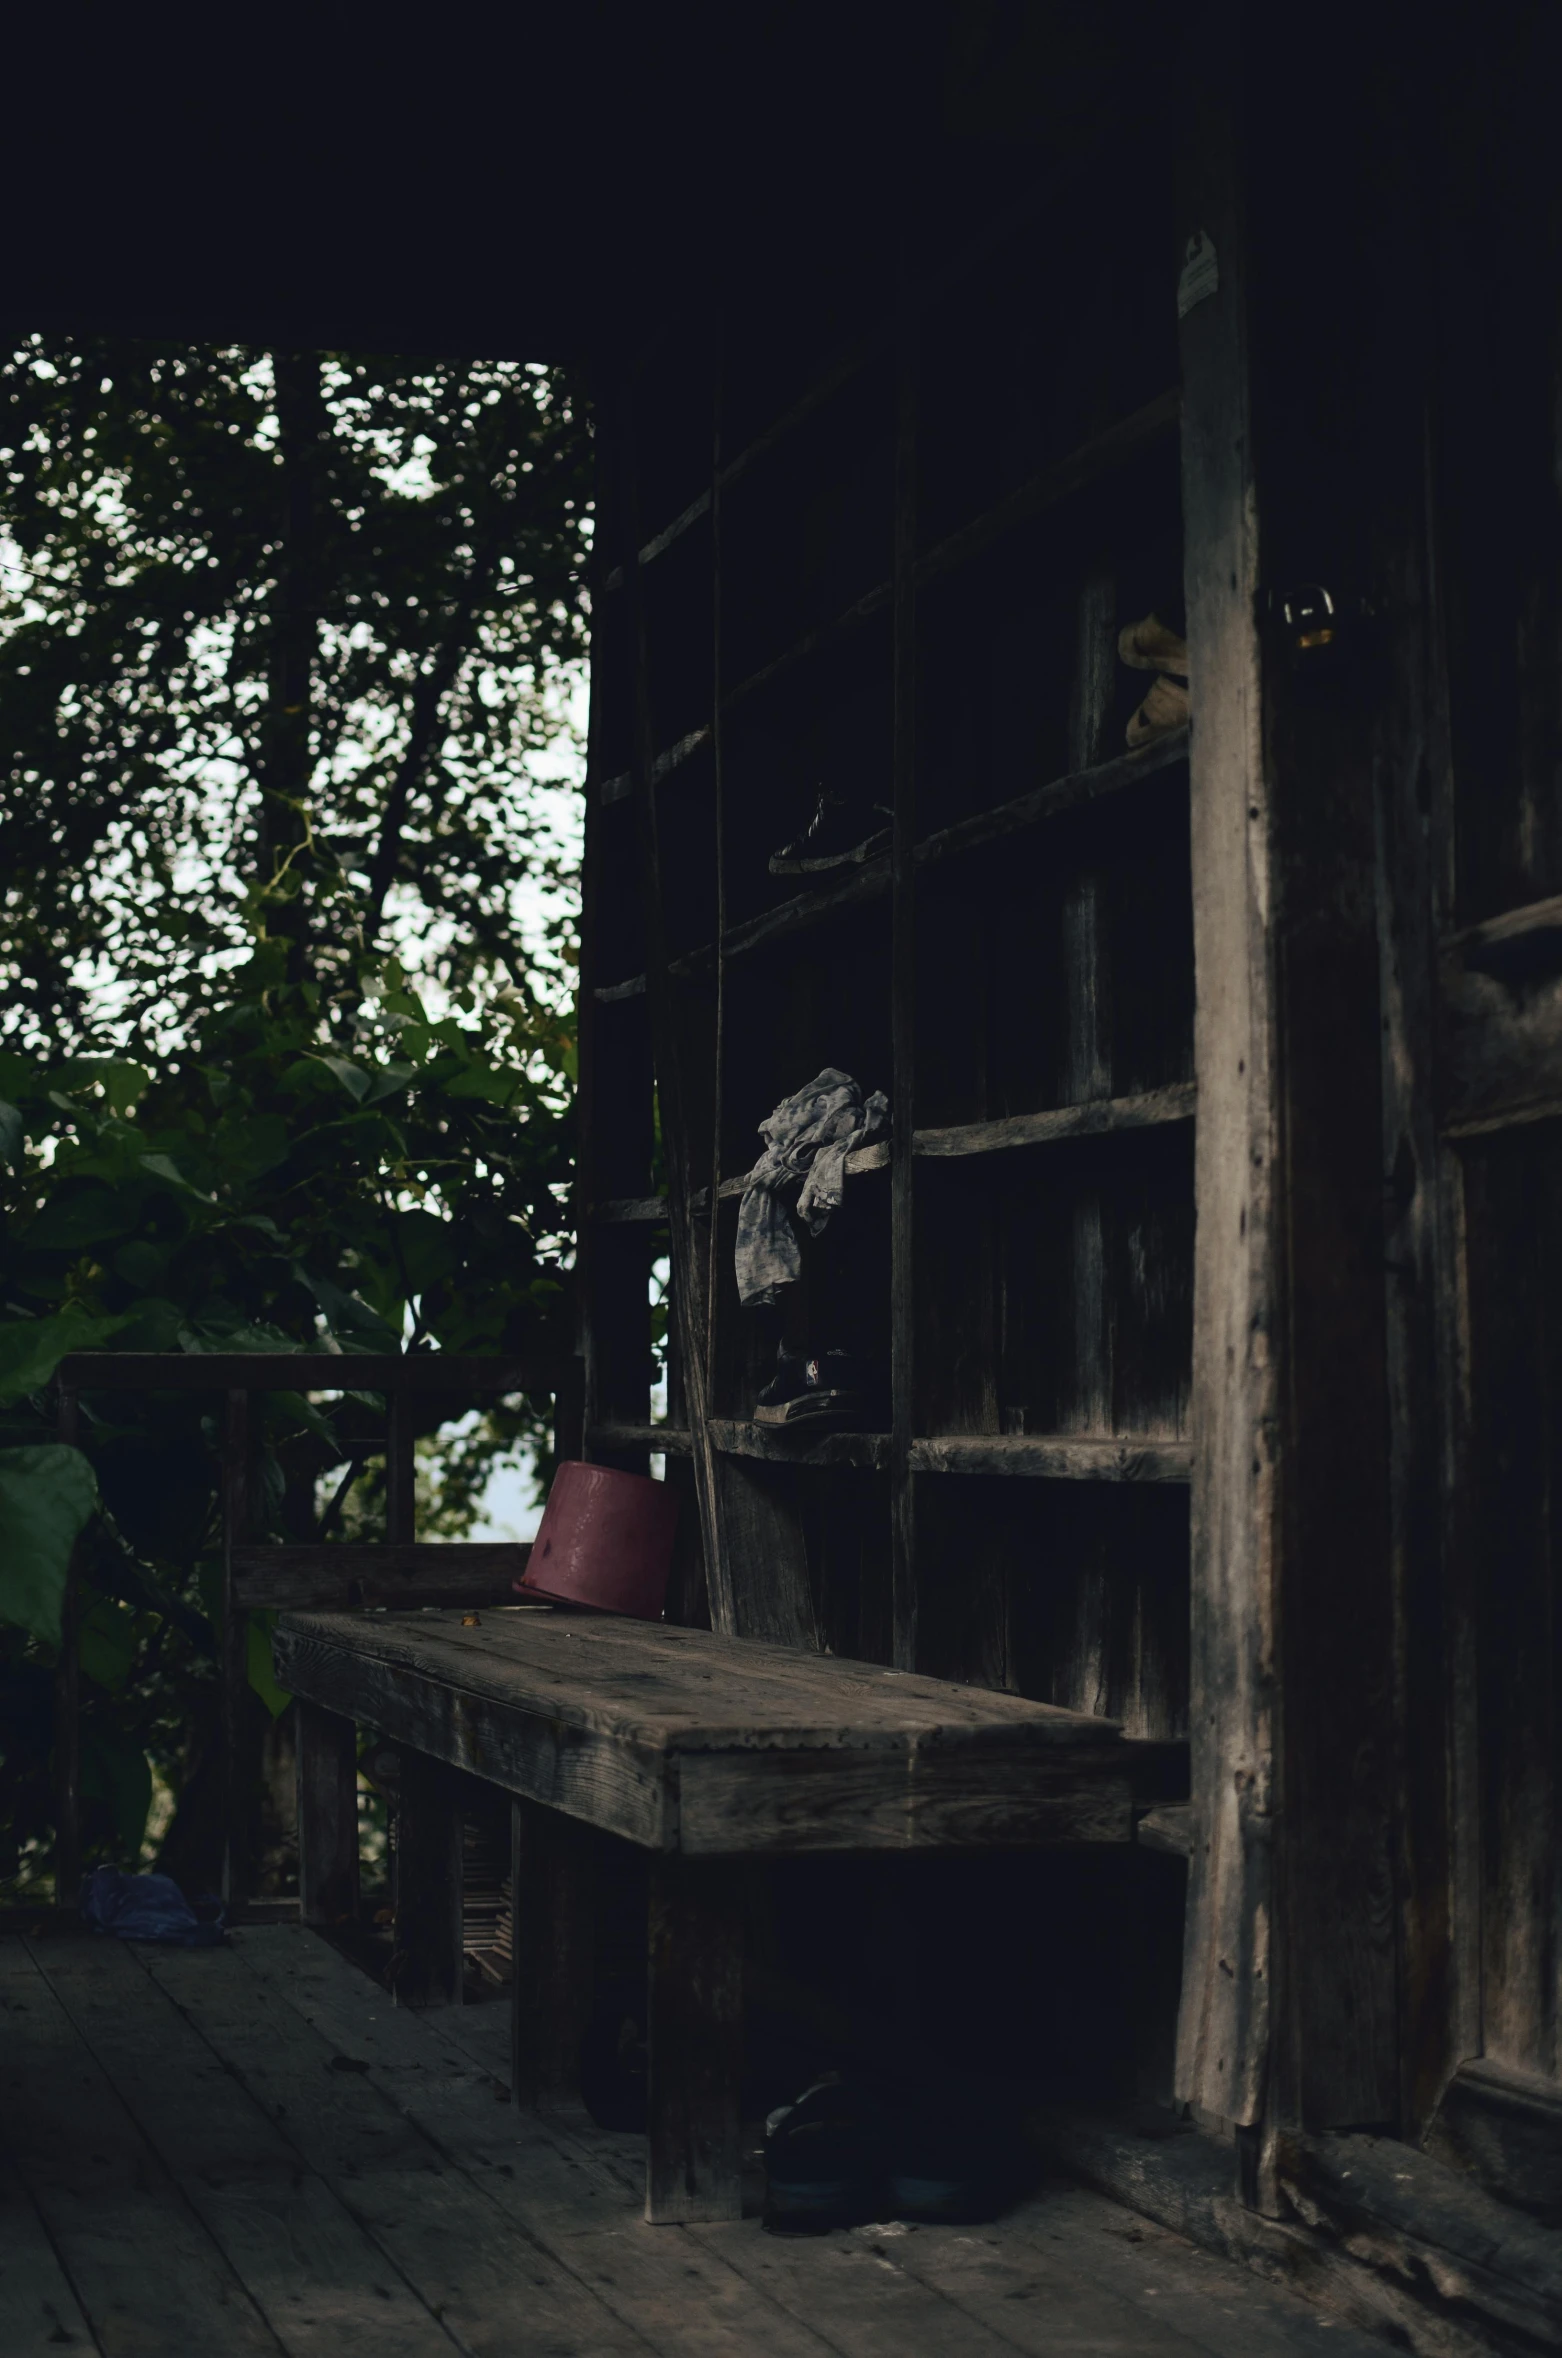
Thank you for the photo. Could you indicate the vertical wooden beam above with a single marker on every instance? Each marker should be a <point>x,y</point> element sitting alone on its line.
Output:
<point>327,1755</point>
<point>67,1697</point>
<point>903,1573</point>
<point>1223,2024</point>
<point>426,1969</point>
<point>237,1796</point>
<point>553,1882</point>
<point>695,1998</point>
<point>400,1467</point>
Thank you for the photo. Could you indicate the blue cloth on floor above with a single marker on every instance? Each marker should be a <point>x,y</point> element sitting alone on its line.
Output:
<point>146,1907</point>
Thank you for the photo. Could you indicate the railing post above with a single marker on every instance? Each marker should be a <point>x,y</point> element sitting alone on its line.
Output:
<point>67,1697</point>
<point>400,1467</point>
<point>233,1655</point>
<point>327,1815</point>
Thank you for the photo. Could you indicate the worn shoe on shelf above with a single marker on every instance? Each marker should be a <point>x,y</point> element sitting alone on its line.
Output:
<point>839,835</point>
<point>824,2161</point>
<point>810,1387</point>
<point>1152,645</point>
<point>1164,710</point>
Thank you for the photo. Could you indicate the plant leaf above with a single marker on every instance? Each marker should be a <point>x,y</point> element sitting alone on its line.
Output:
<point>47,1496</point>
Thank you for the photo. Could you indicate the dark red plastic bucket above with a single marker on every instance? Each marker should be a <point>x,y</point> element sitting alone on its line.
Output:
<point>605,1539</point>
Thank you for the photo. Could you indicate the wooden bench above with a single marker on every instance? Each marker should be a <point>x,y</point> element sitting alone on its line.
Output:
<point>704,1751</point>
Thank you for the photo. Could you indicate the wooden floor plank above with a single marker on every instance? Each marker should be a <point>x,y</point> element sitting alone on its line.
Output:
<point>146,2272</point>
<point>1216,2303</point>
<point>39,2311</point>
<point>495,2289</point>
<point>687,2300</point>
<point>322,2285</point>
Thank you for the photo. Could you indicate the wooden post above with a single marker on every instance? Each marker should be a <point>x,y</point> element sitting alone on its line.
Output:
<point>327,1747</point>
<point>400,1468</point>
<point>694,2151</point>
<point>67,1700</point>
<point>426,1970</point>
<point>234,1657</point>
<point>553,1869</point>
<point>903,970</point>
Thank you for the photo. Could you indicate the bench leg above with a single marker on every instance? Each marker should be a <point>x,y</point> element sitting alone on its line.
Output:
<point>428,1884</point>
<point>327,1815</point>
<point>694,2149</point>
<point>553,1871</point>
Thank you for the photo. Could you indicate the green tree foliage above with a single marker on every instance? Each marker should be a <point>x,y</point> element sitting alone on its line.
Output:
<point>285,1056</point>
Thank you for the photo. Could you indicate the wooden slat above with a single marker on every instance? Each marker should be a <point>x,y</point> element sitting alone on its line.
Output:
<point>865,881</point>
<point>812,642</point>
<point>795,1445</point>
<point>1054,1457</point>
<point>620,1440</point>
<point>1117,447</point>
<point>863,1159</point>
<point>233,1656</point>
<point>608,994</point>
<point>1502,1044</point>
<point>644,1209</point>
<point>1094,1119</point>
<point>673,757</point>
<point>307,1371</point>
<point>67,1694</point>
<point>759,1805</point>
<point>413,1572</point>
<point>1096,783</point>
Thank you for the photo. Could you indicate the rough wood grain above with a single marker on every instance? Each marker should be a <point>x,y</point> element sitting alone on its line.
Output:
<point>796,1445</point>
<point>620,1440</point>
<point>1223,2027</point>
<point>1094,783</point>
<point>1102,1117</point>
<point>106,2199</point>
<point>327,1755</point>
<point>695,2043</point>
<point>767,1805</point>
<point>413,1572</point>
<point>426,2201</point>
<point>1054,1457</point>
<point>554,1865</point>
<point>38,2307</point>
<point>426,1965</point>
<point>316,2278</point>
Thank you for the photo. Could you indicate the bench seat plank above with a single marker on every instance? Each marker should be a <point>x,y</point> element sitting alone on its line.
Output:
<point>681,1740</point>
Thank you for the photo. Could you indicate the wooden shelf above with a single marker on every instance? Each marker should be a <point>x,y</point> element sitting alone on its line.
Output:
<point>866,1158</point>
<point>1098,1117</point>
<point>1054,1457</point>
<point>797,1446</point>
<point>1058,795</point>
<point>618,1440</point>
<point>824,634</point>
<point>870,879</point>
<point>1102,455</point>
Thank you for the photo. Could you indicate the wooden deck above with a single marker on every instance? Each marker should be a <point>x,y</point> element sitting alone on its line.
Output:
<point>249,2150</point>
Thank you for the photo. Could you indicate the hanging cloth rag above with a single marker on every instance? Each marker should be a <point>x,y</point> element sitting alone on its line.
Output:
<point>807,1140</point>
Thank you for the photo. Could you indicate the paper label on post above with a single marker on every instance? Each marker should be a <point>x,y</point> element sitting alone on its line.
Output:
<point>1200,272</point>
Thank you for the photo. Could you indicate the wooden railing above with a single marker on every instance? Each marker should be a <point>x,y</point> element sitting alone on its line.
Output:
<point>324,1576</point>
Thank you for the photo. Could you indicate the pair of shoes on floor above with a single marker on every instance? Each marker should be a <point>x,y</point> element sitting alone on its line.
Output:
<point>844,2154</point>
<point>1151,645</point>
<point>812,1388</point>
<point>840,834</point>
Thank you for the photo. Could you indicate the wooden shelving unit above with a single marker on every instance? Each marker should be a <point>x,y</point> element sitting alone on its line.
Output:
<point>931,625</point>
